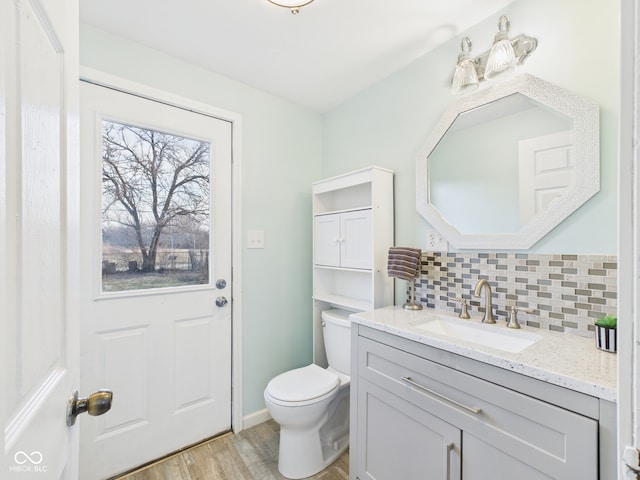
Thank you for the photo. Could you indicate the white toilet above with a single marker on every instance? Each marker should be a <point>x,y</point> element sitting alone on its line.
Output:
<point>311,404</point>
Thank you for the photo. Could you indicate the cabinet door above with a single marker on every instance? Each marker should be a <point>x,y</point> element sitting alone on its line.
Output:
<point>397,440</point>
<point>326,240</point>
<point>485,461</point>
<point>356,246</point>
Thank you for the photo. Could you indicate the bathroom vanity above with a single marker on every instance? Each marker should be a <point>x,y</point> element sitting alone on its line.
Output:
<point>479,402</point>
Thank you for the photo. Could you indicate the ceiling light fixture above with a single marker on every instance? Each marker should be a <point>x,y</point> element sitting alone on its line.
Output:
<point>293,5</point>
<point>497,64</point>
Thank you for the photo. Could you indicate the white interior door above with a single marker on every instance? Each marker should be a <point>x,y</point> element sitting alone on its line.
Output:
<point>155,328</point>
<point>38,236</point>
<point>546,170</point>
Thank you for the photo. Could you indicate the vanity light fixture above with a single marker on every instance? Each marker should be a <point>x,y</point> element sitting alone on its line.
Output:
<point>497,64</point>
<point>293,5</point>
<point>465,78</point>
<point>502,58</point>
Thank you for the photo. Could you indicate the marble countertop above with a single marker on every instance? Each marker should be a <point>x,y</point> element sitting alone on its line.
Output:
<point>569,361</point>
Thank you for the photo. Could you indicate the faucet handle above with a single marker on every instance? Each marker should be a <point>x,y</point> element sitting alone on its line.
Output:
<point>513,317</point>
<point>464,313</point>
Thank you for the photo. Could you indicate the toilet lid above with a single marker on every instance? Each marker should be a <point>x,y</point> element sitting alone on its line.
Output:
<point>302,384</point>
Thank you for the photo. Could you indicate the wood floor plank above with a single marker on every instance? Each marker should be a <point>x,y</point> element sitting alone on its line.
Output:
<point>201,464</point>
<point>226,457</point>
<point>258,466</point>
<point>249,455</point>
<point>338,470</point>
<point>170,469</point>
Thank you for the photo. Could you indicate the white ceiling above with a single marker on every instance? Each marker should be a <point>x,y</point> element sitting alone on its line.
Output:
<point>330,51</point>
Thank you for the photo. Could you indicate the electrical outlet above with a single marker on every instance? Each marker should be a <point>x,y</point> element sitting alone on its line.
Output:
<point>435,241</point>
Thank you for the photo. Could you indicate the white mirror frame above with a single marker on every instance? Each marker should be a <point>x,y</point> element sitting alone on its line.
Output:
<point>586,129</point>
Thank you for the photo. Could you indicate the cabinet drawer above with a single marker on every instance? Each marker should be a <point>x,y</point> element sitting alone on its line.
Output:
<point>560,443</point>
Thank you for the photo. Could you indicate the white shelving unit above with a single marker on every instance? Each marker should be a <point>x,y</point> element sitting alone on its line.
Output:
<point>352,233</point>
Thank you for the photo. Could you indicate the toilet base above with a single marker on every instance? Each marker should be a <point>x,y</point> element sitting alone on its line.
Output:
<point>305,452</point>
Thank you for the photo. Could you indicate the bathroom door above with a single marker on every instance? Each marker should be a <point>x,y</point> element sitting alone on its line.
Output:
<point>156,295</point>
<point>38,238</point>
<point>546,170</point>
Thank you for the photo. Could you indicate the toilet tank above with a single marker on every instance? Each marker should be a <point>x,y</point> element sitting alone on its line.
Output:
<point>336,329</point>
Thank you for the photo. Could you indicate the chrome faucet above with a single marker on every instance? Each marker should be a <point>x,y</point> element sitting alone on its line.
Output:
<point>488,313</point>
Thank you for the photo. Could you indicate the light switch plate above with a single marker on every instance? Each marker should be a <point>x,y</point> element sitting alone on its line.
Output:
<point>255,238</point>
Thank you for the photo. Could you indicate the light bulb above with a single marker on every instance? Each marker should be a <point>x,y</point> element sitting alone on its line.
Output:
<point>502,59</point>
<point>465,77</point>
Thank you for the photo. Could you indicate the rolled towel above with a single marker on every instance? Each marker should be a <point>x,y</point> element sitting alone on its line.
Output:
<point>404,262</point>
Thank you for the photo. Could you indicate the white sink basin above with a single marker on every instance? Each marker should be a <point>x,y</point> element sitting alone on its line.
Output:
<point>494,336</point>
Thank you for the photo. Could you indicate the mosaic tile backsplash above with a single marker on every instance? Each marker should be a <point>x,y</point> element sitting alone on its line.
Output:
<point>567,292</point>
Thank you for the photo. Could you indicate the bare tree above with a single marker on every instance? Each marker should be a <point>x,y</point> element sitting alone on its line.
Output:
<point>150,178</point>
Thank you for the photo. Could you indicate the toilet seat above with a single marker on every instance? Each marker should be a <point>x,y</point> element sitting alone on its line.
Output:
<point>302,386</point>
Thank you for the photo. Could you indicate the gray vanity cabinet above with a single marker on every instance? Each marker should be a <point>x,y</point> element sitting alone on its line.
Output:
<point>402,440</point>
<point>418,414</point>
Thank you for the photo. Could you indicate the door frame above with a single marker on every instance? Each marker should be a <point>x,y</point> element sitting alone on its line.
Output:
<point>107,80</point>
<point>628,236</point>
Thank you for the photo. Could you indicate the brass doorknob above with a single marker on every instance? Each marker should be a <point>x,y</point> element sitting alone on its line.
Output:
<point>95,404</point>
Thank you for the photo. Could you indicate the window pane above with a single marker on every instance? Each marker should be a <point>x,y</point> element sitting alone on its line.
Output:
<point>155,209</point>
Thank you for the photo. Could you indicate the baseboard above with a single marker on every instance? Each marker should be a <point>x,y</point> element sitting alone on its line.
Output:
<point>256,418</point>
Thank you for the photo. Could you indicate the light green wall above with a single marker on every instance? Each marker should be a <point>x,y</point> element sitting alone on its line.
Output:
<point>578,49</point>
<point>281,156</point>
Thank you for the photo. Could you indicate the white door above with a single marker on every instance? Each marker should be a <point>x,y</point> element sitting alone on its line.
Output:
<point>38,236</point>
<point>546,170</point>
<point>628,460</point>
<point>155,327</point>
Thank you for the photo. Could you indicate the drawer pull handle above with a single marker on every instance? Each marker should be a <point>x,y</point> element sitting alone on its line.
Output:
<point>411,382</point>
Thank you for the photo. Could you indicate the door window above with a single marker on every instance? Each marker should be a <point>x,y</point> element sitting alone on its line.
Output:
<point>155,208</point>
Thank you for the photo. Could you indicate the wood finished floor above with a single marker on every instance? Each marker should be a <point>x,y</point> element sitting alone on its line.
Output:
<point>249,455</point>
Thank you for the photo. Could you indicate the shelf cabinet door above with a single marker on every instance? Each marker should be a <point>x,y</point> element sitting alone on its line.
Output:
<point>326,242</point>
<point>356,246</point>
<point>344,240</point>
<point>397,440</point>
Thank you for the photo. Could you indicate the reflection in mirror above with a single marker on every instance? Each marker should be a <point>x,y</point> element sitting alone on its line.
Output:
<point>507,164</point>
<point>475,172</point>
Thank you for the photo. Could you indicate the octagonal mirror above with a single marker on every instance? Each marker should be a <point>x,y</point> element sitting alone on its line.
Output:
<point>506,165</point>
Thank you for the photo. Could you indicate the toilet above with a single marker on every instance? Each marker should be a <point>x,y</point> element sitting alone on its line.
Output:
<point>311,404</point>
